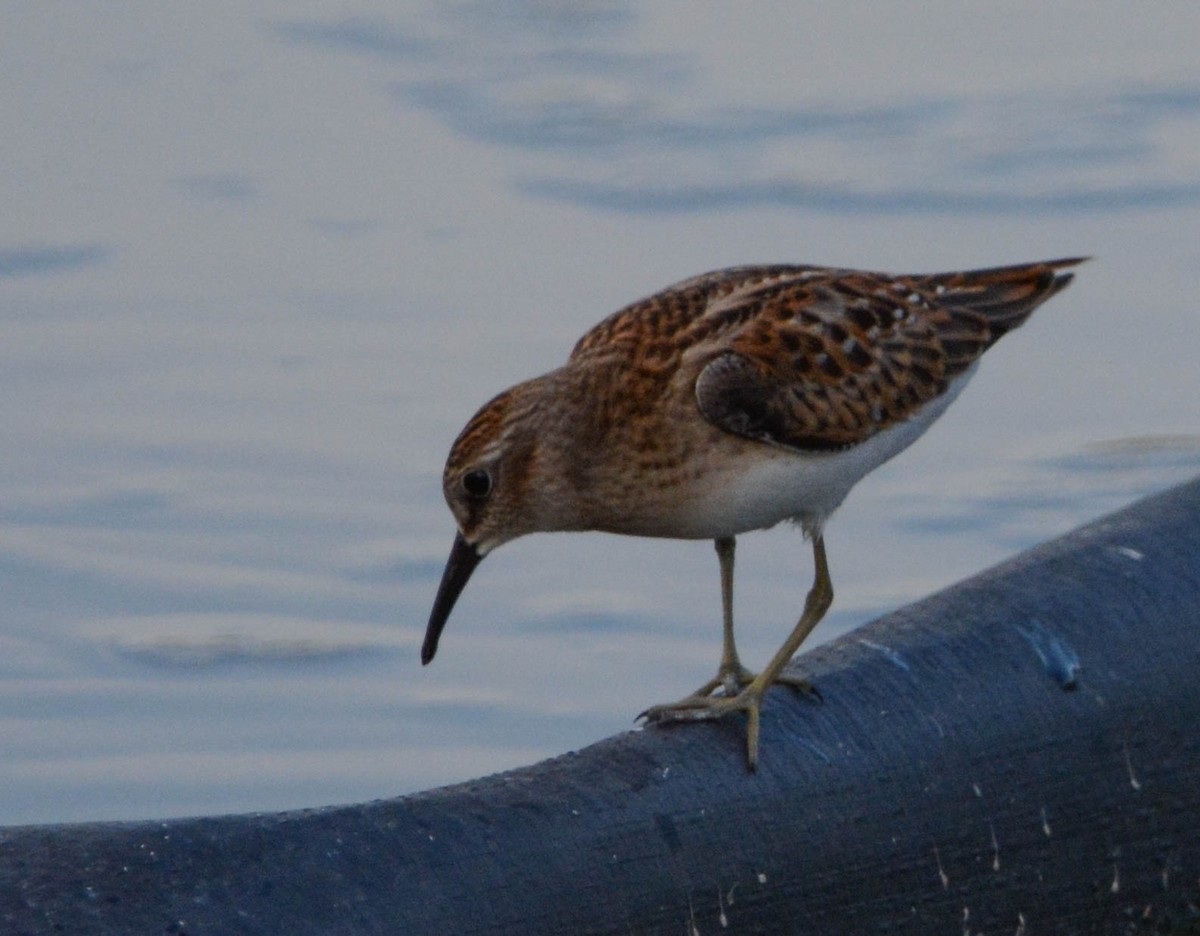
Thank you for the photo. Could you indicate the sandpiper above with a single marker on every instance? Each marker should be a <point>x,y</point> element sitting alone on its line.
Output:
<point>727,403</point>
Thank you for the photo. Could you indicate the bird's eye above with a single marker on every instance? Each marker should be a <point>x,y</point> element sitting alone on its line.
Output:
<point>477,483</point>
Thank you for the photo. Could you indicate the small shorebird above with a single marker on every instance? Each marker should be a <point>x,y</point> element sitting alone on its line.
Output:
<point>727,403</point>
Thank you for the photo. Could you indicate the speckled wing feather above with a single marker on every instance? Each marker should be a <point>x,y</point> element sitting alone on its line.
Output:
<point>825,359</point>
<point>693,310</point>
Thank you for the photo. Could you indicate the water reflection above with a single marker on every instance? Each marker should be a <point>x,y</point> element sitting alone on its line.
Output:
<point>48,259</point>
<point>220,515</point>
<point>359,34</point>
<point>1028,503</point>
<point>646,133</point>
<point>219,187</point>
<point>715,195</point>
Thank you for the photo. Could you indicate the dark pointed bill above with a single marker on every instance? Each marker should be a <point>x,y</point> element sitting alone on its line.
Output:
<point>463,559</point>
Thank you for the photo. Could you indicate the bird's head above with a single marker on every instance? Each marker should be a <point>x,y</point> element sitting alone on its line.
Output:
<point>496,486</point>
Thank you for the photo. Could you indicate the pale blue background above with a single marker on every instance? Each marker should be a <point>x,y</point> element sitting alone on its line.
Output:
<point>260,261</point>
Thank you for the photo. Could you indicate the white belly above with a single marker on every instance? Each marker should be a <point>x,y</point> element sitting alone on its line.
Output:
<point>773,484</point>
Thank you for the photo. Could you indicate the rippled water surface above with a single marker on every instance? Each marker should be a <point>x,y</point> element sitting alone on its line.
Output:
<point>259,262</point>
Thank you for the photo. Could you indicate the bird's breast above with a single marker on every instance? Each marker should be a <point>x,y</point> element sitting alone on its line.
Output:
<point>690,480</point>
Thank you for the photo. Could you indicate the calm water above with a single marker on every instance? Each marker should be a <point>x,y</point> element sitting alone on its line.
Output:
<point>257,268</point>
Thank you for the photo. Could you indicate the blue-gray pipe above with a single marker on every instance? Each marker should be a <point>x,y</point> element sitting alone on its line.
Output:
<point>1019,754</point>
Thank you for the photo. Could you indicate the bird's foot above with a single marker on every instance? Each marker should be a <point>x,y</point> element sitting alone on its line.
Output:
<point>799,684</point>
<point>741,691</point>
<point>709,707</point>
<point>731,679</point>
<point>698,707</point>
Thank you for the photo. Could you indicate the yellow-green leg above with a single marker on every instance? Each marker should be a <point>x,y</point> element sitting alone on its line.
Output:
<point>732,676</point>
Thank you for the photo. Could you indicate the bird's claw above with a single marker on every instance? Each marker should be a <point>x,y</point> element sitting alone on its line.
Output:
<point>710,708</point>
<point>705,705</point>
